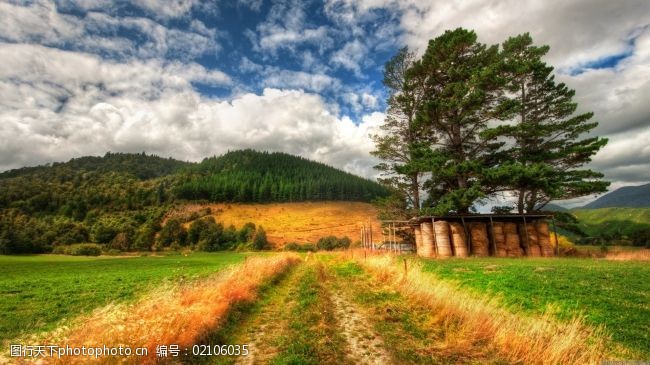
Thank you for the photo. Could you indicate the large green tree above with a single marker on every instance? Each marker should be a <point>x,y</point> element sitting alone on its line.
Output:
<point>463,91</point>
<point>548,147</point>
<point>393,144</point>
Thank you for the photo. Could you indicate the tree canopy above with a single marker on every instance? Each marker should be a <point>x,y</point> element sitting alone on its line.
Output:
<point>468,120</point>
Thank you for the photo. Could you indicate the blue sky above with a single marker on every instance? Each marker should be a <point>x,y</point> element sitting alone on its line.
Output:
<point>190,79</point>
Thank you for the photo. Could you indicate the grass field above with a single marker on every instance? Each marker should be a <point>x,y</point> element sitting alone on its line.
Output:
<point>613,294</point>
<point>37,292</point>
<point>616,221</point>
<point>338,308</point>
<point>296,222</point>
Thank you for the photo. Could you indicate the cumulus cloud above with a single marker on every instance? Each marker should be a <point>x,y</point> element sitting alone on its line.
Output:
<point>103,80</point>
<point>77,104</point>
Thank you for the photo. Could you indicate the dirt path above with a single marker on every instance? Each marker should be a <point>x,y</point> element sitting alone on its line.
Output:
<point>364,345</point>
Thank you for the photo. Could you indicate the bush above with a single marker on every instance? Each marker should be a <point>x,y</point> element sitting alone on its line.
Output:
<point>259,241</point>
<point>81,249</point>
<point>330,243</point>
<point>304,247</point>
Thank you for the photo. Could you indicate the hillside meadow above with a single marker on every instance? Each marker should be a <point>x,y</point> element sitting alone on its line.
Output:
<point>294,222</point>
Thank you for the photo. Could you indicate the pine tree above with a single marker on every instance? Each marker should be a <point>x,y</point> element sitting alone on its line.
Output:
<point>463,90</point>
<point>548,150</point>
<point>398,132</point>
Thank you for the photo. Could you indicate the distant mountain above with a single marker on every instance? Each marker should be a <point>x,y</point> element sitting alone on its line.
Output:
<point>628,196</point>
<point>550,207</point>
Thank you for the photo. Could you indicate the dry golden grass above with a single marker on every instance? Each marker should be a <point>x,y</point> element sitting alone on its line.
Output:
<point>178,315</point>
<point>296,222</point>
<point>629,255</point>
<point>470,322</point>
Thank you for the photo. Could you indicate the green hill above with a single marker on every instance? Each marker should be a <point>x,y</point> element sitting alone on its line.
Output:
<point>613,222</point>
<point>121,199</point>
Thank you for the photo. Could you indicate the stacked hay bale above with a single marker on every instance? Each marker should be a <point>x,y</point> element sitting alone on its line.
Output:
<point>499,239</point>
<point>533,243</point>
<point>544,238</point>
<point>458,239</point>
<point>443,243</point>
<point>513,243</point>
<point>480,241</point>
<point>418,238</point>
<point>426,249</point>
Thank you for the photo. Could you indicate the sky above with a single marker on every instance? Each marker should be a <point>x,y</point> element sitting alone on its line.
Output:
<point>191,79</point>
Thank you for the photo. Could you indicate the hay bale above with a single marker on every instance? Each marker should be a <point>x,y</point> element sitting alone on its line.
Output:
<point>480,242</point>
<point>544,238</point>
<point>443,242</point>
<point>426,249</point>
<point>458,239</point>
<point>513,243</point>
<point>499,239</point>
<point>418,238</point>
<point>534,251</point>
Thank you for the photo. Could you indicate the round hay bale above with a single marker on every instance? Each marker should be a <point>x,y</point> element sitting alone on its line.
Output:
<point>542,227</point>
<point>480,242</point>
<point>443,242</point>
<point>418,238</point>
<point>458,239</point>
<point>513,244</point>
<point>426,249</point>
<point>499,239</point>
<point>534,251</point>
<point>544,238</point>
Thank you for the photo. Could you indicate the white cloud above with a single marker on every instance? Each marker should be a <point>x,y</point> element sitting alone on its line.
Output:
<point>350,56</point>
<point>78,104</point>
<point>285,28</point>
<point>41,23</point>
<point>299,80</point>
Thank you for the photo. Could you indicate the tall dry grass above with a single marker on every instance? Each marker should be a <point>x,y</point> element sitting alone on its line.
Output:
<point>629,255</point>
<point>470,322</point>
<point>171,315</point>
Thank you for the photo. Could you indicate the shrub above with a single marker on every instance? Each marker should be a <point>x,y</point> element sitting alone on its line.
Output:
<point>330,243</point>
<point>259,241</point>
<point>304,247</point>
<point>81,249</point>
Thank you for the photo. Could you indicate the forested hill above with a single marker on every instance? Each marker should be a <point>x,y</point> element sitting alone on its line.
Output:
<point>121,198</point>
<point>251,176</point>
<point>141,166</point>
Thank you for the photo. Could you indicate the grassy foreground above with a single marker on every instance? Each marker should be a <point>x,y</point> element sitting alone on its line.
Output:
<point>613,294</point>
<point>39,291</point>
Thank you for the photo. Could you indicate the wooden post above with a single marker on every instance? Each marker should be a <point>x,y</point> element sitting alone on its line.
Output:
<point>435,238</point>
<point>363,238</point>
<point>557,243</point>
<point>372,244</point>
<point>400,245</point>
<point>494,242</point>
<point>527,243</point>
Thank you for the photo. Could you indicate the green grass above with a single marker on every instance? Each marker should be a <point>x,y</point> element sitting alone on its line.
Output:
<point>312,336</point>
<point>609,293</point>
<point>613,221</point>
<point>38,292</point>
